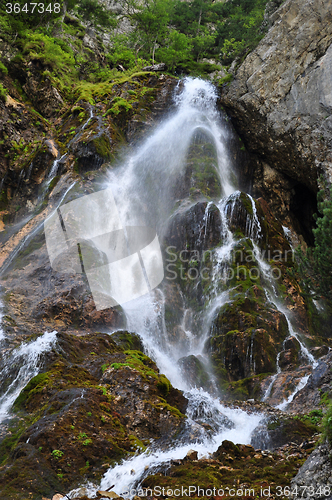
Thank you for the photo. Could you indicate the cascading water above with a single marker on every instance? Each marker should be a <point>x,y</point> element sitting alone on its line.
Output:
<point>20,366</point>
<point>271,295</point>
<point>143,189</point>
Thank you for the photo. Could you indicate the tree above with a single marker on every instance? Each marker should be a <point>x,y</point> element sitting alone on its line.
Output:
<point>177,49</point>
<point>92,10</point>
<point>150,18</point>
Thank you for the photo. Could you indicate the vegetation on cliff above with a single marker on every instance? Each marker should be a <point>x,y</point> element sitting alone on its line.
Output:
<point>177,33</point>
<point>316,263</point>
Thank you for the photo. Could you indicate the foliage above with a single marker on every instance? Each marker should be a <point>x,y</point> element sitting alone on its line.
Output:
<point>52,52</point>
<point>151,19</point>
<point>327,424</point>
<point>57,454</point>
<point>3,92</point>
<point>92,10</point>
<point>316,263</point>
<point>177,49</point>
<point>3,69</point>
<point>178,33</point>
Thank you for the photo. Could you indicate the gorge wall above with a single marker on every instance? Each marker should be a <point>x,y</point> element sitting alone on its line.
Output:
<point>280,102</point>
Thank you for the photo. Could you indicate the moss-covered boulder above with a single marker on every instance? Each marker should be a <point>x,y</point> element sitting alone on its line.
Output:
<point>201,178</point>
<point>195,372</point>
<point>94,404</point>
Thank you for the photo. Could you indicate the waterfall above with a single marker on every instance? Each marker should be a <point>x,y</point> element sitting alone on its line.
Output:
<point>150,188</point>
<point>272,296</point>
<point>143,188</point>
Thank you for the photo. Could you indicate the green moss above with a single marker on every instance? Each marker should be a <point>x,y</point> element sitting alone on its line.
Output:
<point>3,69</point>
<point>54,182</point>
<point>35,386</point>
<point>166,407</point>
<point>127,340</point>
<point>327,423</point>
<point>119,105</point>
<point>3,199</point>
<point>226,79</point>
<point>136,443</point>
<point>164,385</point>
<point>103,146</point>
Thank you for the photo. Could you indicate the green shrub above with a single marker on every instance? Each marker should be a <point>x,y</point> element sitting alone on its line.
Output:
<point>57,454</point>
<point>327,424</point>
<point>3,69</point>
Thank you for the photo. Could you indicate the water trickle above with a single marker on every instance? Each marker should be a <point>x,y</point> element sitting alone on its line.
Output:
<point>272,296</point>
<point>2,333</point>
<point>54,169</point>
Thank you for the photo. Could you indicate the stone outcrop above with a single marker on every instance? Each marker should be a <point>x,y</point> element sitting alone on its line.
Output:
<point>318,389</point>
<point>93,404</point>
<point>315,475</point>
<point>281,104</point>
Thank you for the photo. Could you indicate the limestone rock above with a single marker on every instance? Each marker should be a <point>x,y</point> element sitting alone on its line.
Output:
<point>281,102</point>
<point>316,472</point>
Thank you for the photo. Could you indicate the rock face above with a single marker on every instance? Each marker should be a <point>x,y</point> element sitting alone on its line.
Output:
<point>315,475</point>
<point>281,103</point>
<point>318,388</point>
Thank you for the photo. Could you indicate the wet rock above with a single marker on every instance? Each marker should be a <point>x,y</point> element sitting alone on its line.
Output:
<point>94,403</point>
<point>108,494</point>
<point>197,228</point>
<point>127,340</point>
<point>239,465</point>
<point>280,429</point>
<point>318,387</point>
<point>193,370</point>
<point>246,337</point>
<point>155,67</point>
<point>200,176</point>
<point>191,455</point>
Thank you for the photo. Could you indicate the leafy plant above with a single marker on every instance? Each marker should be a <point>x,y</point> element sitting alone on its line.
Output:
<point>3,69</point>
<point>57,454</point>
<point>327,424</point>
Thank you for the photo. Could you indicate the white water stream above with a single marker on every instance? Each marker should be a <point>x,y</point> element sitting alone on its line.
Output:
<point>2,333</point>
<point>21,365</point>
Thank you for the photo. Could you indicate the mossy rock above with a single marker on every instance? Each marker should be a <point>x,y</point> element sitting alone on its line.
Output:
<point>127,340</point>
<point>194,371</point>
